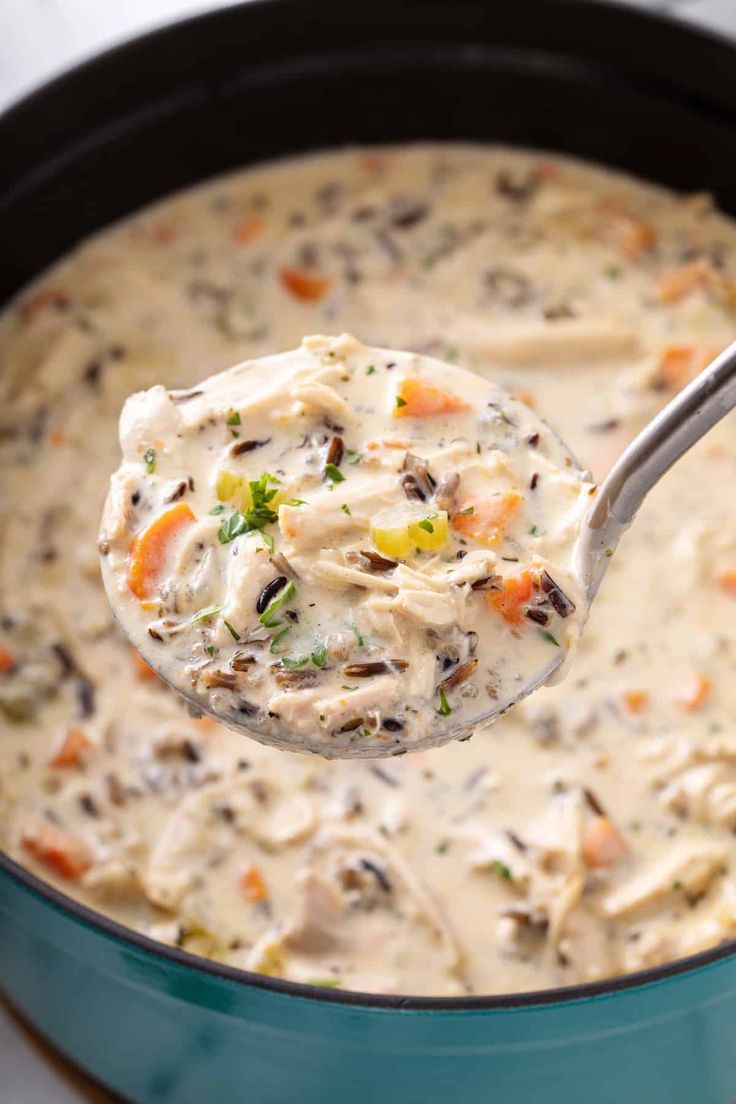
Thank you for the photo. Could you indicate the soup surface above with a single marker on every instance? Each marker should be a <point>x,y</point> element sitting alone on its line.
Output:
<point>343,549</point>
<point>586,834</point>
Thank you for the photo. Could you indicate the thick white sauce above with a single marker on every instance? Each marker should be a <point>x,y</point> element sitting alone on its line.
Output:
<point>481,867</point>
<point>343,549</point>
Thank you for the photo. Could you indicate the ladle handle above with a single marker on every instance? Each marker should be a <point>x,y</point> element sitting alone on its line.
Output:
<point>707,399</point>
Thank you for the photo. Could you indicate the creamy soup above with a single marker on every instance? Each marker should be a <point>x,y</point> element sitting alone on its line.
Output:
<point>587,833</point>
<point>342,549</point>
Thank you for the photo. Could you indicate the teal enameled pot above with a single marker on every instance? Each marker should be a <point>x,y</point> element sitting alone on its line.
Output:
<point>256,80</point>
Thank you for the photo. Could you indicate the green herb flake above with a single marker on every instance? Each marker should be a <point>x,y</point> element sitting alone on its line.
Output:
<point>235,635</point>
<point>344,687</point>
<point>218,509</point>
<point>533,531</point>
<point>352,456</point>
<point>444,706</point>
<point>279,636</point>
<point>400,402</point>
<point>149,459</point>
<point>677,886</point>
<point>370,370</point>
<point>292,663</point>
<point>451,354</point>
<point>503,870</point>
<point>466,511</point>
<point>546,635</point>
<point>296,502</point>
<point>268,617</point>
<point>358,635</point>
<point>268,541</point>
<point>346,509</point>
<point>319,656</point>
<point>203,614</point>
<point>334,474</point>
<point>257,516</point>
<point>234,419</point>
<point>210,650</point>
<point>612,272</point>
<point>232,527</point>
<point>426,525</point>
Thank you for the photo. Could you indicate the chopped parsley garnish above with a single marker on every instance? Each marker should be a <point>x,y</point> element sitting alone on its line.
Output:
<point>233,632</point>
<point>268,617</point>
<point>444,707</point>
<point>549,637</point>
<point>426,524</point>
<point>234,419</point>
<point>358,635</point>
<point>232,527</point>
<point>149,459</point>
<point>319,656</point>
<point>296,502</point>
<point>370,369</point>
<point>218,509</point>
<point>343,687</point>
<point>400,402</point>
<point>352,456</point>
<point>277,637</point>
<point>268,541</point>
<point>334,474</point>
<point>203,614</point>
<point>291,663</point>
<point>257,516</point>
<point>451,354</point>
<point>346,509</point>
<point>466,510</point>
<point>210,650</point>
<point>503,870</point>
<point>533,531</point>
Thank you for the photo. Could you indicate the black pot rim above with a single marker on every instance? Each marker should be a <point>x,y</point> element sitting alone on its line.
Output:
<point>111,928</point>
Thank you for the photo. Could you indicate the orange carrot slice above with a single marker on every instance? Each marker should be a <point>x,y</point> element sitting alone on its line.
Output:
<point>726,580</point>
<point>7,660</point>
<point>60,851</point>
<point>680,282</point>
<point>69,753</point>
<point>678,364</point>
<point>484,519</point>
<point>509,602</point>
<point>694,692</point>
<point>248,229</point>
<point>310,287</point>
<point>635,701</point>
<point>418,399</point>
<point>629,235</point>
<point>603,844</point>
<point>150,548</point>
<point>252,883</point>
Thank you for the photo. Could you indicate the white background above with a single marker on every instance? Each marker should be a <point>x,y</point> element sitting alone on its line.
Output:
<point>39,38</point>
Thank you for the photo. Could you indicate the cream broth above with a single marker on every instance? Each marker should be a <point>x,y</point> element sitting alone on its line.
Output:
<point>586,834</point>
<point>343,549</point>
